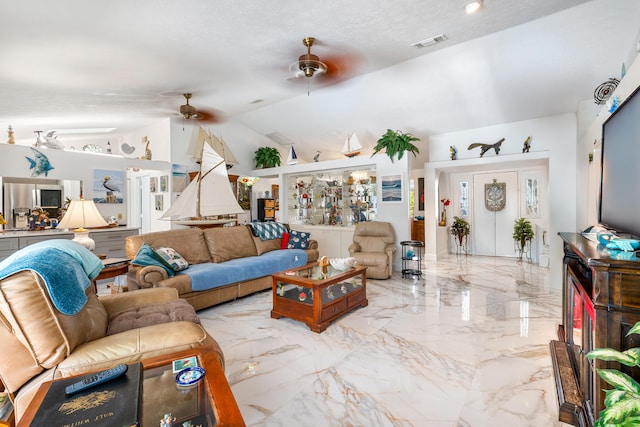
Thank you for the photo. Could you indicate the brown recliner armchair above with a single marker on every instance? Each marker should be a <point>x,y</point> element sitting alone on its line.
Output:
<point>373,247</point>
<point>41,344</point>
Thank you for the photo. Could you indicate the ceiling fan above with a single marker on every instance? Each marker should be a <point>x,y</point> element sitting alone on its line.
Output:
<point>330,69</point>
<point>189,112</point>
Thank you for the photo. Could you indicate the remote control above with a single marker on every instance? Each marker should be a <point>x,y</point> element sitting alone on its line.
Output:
<point>97,378</point>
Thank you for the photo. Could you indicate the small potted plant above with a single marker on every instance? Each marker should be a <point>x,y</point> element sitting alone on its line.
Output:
<point>267,157</point>
<point>622,403</point>
<point>523,235</point>
<point>396,142</point>
<point>460,229</point>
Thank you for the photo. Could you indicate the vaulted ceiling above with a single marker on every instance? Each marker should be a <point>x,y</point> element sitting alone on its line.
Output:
<point>122,64</point>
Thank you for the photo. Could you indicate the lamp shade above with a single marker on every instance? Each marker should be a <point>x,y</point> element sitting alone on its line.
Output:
<point>81,214</point>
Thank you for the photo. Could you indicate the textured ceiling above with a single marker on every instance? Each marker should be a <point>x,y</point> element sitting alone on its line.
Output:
<point>74,63</point>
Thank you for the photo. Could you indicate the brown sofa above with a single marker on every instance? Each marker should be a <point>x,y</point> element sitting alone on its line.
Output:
<point>197,246</point>
<point>39,343</point>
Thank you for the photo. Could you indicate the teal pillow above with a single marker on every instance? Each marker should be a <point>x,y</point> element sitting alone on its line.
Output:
<point>298,240</point>
<point>147,256</point>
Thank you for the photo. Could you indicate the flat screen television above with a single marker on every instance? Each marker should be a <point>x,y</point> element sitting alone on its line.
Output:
<point>619,208</point>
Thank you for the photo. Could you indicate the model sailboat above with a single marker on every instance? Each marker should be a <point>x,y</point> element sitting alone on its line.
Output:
<point>218,144</point>
<point>351,146</point>
<point>207,195</point>
<point>293,157</point>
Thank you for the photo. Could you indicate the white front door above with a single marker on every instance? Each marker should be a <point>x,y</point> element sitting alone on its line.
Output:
<point>491,230</point>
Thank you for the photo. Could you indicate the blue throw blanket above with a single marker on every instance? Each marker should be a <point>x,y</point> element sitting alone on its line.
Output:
<point>65,271</point>
<point>268,230</point>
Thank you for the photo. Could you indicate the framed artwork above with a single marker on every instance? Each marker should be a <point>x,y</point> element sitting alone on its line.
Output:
<point>420,194</point>
<point>179,178</point>
<point>391,188</point>
<point>153,184</point>
<point>275,193</point>
<point>159,202</point>
<point>163,182</point>
<point>107,186</point>
<point>244,195</point>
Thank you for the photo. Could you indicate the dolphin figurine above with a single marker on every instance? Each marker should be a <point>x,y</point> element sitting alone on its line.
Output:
<point>40,164</point>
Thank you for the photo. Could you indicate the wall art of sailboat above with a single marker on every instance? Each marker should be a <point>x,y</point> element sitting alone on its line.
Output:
<point>207,197</point>
<point>351,146</point>
<point>292,159</point>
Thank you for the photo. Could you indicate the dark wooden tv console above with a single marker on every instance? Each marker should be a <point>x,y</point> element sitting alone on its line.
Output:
<point>601,302</point>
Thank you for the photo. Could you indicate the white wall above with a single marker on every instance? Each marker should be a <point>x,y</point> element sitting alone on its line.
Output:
<point>553,138</point>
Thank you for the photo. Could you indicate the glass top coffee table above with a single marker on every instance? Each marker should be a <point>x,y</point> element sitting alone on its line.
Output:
<point>318,295</point>
<point>207,403</point>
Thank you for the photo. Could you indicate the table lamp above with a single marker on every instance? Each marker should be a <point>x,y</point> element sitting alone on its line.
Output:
<point>80,214</point>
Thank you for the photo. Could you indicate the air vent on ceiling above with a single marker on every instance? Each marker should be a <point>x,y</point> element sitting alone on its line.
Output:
<point>430,41</point>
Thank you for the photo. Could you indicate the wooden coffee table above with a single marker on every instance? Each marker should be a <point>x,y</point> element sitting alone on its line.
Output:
<point>318,295</point>
<point>209,403</point>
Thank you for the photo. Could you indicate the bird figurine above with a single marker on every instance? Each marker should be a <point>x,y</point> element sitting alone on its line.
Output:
<point>317,156</point>
<point>486,147</point>
<point>454,152</point>
<point>527,145</point>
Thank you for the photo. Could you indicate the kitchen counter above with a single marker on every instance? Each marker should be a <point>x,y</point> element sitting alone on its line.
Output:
<point>109,241</point>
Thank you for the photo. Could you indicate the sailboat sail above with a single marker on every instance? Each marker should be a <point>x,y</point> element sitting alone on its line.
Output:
<point>293,157</point>
<point>209,194</point>
<point>351,146</point>
<point>218,145</point>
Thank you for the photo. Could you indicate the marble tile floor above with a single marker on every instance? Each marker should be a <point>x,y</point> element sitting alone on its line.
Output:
<point>465,345</point>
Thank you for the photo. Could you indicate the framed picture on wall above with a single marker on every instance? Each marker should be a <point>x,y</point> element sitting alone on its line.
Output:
<point>420,194</point>
<point>275,193</point>
<point>153,184</point>
<point>159,202</point>
<point>163,182</point>
<point>391,188</point>
<point>107,186</point>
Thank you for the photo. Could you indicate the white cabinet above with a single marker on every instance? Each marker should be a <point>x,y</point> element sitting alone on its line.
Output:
<point>8,246</point>
<point>111,242</point>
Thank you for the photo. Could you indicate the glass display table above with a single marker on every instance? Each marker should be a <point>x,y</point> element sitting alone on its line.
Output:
<point>318,295</point>
<point>412,258</point>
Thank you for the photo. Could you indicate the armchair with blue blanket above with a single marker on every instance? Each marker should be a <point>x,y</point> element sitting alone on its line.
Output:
<point>53,325</point>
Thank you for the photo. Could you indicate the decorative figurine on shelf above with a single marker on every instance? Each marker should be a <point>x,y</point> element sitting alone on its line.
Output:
<point>167,420</point>
<point>454,152</point>
<point>147,151</point>
<point>527,145</point>
<point>2,222</point>
<point>486,147</point>
<point>12,139</point>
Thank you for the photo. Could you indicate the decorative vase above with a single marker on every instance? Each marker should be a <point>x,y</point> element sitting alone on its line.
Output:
<point>443,218</point>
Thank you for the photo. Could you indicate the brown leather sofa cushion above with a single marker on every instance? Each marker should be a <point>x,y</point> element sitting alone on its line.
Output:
<point>151,314</point>
<point>226,243</point>
<point>188,242</point>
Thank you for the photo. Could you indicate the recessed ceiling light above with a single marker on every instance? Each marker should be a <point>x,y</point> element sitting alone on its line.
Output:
<point>473,7</point>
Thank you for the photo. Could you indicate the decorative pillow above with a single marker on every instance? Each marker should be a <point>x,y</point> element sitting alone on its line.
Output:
<point>147,256</point>
<point>173,258</point>
<point>298,240</point>
<point>285,241</point>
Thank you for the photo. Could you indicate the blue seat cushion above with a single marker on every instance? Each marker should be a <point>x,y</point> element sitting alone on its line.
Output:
<point>211,275</point>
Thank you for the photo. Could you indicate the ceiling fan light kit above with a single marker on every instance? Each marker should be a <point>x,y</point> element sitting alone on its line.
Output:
<point>188,111</point>
<point>308,63</point>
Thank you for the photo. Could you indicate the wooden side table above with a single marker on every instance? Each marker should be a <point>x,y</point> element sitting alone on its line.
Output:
<point>113,267</point>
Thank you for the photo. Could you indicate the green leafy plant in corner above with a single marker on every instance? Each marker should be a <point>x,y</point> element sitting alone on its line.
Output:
<point>522,234</point>
<point>622,403</point>
<point>267,157</point>
<point>396,142</point>
<point>459,228</point>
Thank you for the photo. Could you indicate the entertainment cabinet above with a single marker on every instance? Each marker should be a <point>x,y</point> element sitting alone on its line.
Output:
<point>601,302</point>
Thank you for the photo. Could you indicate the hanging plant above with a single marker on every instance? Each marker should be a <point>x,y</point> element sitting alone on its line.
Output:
<point>396,142</point>
<point>267,157</point>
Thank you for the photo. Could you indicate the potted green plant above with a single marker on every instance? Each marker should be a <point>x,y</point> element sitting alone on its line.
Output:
<point>396,142</point>
<point>267,157</point>
<point>622,403</point>
<point>522,234</point>
<point>460,229</point>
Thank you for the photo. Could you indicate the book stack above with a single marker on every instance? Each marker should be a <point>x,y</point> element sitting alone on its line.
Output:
<point>115,403</point>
